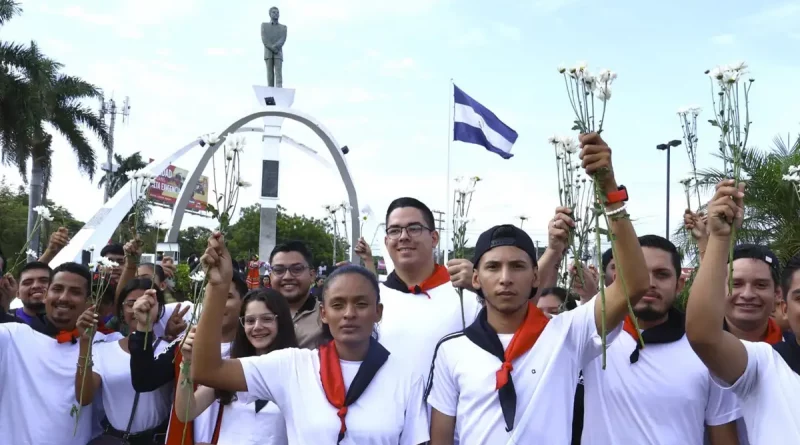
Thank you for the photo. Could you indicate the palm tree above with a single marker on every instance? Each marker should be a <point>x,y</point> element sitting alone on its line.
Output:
<point>34,93</point>
<point>119,177</point>
<point>772,208</point>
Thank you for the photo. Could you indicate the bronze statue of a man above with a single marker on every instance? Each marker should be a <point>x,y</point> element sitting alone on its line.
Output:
<point>273,36</point>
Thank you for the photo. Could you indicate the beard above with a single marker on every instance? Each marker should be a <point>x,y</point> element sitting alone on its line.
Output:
<point>37,308</point>
<point>650,314</point>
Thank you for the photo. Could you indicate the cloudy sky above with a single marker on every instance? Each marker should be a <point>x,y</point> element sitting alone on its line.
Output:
<point>377,74</point>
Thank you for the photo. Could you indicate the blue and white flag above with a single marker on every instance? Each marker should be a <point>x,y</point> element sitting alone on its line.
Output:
<point>475,124</point>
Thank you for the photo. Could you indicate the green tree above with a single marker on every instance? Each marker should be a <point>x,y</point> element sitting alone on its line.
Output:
<point>772,209</point>
<point>35,93</point>
<point>193,240</point>
<point>243,236</point>
<point>119,177</point>
<point>14,214</point>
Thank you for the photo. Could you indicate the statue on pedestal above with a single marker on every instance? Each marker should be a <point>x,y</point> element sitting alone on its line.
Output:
<point>273,36</point>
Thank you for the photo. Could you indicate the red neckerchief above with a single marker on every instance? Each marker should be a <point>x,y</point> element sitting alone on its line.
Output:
<point>523,340</point>
<point>103,329</point>
<point>68,336</point>
<point>176,427</point>
<point>774,334</point>
<point>330,371</point>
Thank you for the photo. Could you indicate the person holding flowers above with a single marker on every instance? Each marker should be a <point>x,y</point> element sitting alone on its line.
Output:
<point>511,376</point>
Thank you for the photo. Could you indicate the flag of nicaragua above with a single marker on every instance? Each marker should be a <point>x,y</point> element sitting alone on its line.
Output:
<point>475,124</point>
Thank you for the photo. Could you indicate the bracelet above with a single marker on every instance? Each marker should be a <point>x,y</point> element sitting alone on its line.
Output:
<point>619,210</point>
<point>619,216</point>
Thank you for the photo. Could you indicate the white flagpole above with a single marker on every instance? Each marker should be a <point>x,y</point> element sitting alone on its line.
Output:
<point>448,209</point>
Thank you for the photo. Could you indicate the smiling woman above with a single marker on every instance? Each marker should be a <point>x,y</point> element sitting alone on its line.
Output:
<point>365,394</point>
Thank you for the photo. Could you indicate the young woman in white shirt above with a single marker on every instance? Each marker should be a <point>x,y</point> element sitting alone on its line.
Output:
<point>138,417</point>
<point>350,391</point>
<point>265,326</point>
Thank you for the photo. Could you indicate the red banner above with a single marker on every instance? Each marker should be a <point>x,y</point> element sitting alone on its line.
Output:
<point>167,186</point>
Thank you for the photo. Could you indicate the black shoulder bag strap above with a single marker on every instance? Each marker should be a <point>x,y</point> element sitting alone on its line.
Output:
<point>135,404</point>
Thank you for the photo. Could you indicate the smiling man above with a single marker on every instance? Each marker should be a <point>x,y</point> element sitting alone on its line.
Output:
<point>46,394</point>
<point>662,394</point>
<point>291,274</point>
<point>33,282</point>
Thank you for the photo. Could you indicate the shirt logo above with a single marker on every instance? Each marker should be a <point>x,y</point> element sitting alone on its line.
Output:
<point>533,371</point>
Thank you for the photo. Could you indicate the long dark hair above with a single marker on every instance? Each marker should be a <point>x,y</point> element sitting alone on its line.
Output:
<point>349,269</point>
<point>139,284</point>
<point>285,337</point>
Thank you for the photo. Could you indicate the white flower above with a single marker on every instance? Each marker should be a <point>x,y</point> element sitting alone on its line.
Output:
<point>581,66</point>
<point>569,145</point>
<point>554,139</point>
<point>795,178</point>
<point>31,253</point>
<point>683,110</point>
<point>43,212</point>
<point>730,77</point>
<point>740,66</point>
<point>476,179</point>
<point>606,76</point>
<point>242,183</point>
<point>91,248</point>
<point>603,92</point>
<point>131,174</point>
<point>716,72</point>
<point>561,69</point>
<point>229,156</point>
<point>92,266</point>
<point>366,212</point>
<point>106,263</point>
<point>686,181</point>
<point>695,110</point>
<point>590,81</point>
<point>794,169</point>
<point>198,276</point>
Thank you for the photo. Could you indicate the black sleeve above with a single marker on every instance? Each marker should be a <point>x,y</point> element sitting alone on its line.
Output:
<point>148,373</point>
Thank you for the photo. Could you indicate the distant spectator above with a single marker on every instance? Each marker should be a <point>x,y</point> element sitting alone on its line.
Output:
<point>316,291</point>
<point>554,300</point>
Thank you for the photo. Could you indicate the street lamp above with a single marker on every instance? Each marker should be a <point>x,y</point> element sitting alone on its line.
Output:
<point>667,147</point>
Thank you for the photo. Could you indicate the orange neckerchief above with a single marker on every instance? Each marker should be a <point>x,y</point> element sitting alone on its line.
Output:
<point>523,340</point>
<point>774,334</point>
<point>68,336</point>
<point>628,327</point>
<point>440,276</point>
<point>175,431</point>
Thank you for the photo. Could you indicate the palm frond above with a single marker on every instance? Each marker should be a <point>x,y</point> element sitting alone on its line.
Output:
<point>8,9</point>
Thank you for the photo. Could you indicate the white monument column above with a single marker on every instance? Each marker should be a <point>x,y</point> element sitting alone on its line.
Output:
<point>270,165</point>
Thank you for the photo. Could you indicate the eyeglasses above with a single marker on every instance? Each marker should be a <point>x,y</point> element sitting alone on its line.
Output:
<point>129,303</point>
<point>251,320</point>
<point>294,269</point>
<point>413,230</point>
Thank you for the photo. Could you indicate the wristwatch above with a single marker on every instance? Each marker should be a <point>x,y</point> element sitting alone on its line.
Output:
<point>621,195</point>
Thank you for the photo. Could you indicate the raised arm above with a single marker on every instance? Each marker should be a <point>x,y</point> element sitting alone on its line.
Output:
<point>58,240</point>
<point>696,225</point>
<point>132,254</point>
<point>208,367</point>
<point>85,378</point>
<point>189,400</point>
<point>723,354</point>
<point>628,254</point>
<point>557,238</point>
<point>148,373</point>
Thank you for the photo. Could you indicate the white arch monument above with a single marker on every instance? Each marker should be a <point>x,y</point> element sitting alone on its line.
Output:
<point>98,230</point>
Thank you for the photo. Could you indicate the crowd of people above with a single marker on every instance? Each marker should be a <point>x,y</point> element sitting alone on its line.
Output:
<point>486,350</point>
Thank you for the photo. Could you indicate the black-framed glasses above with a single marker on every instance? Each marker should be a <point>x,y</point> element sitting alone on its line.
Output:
<point>413,230</point>
<point>294,269</point>
<point>251,320</point>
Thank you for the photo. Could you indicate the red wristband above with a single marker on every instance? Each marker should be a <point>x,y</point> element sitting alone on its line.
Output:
<point>621,195</point>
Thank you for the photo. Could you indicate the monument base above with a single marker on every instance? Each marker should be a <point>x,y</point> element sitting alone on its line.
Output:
<point>268,235</point>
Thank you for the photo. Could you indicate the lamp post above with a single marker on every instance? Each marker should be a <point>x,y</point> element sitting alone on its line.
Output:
<point>667,147</point>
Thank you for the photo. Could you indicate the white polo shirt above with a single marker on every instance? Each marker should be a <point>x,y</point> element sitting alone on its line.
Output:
<point>769,395</point>
<point>112,364</point>
<point>37,389</point>
<point>241,425</point>
<point>545,378</point>
<point>666,398</point>
<point>412,324</point>
<point>389,412</point>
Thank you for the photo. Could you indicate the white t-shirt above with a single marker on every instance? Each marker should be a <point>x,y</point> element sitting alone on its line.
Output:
<point>205,423</point>
<point>545,378</point>
<point>413,324</point>
<point>37,389</point>
<point>769,395</point>
<point>241,425</point>
<point>112,364</point>
<point>389,412</point>
<point>160,327</point>
<point>665,398</point>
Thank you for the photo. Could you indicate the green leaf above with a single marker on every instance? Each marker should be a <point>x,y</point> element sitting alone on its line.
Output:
<point>713,122</point>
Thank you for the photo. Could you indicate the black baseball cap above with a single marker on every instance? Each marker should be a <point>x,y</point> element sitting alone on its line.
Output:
<point>504,235</point>
<point>762,253</point>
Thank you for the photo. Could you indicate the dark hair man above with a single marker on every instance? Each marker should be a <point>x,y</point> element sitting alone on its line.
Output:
<point>664,381</point>
<point>490,383</point>
<point>292,274</point>
<point>48,366</point>
<point>115,253</point>
<point>34,279</point>
<point>763,376</point>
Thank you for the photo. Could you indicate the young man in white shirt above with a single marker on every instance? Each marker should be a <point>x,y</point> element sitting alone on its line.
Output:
<point>661,394</point>
<point>424,293</point>
<point>762,377</point>
<point>511,376</point>
<point>37,372</point>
